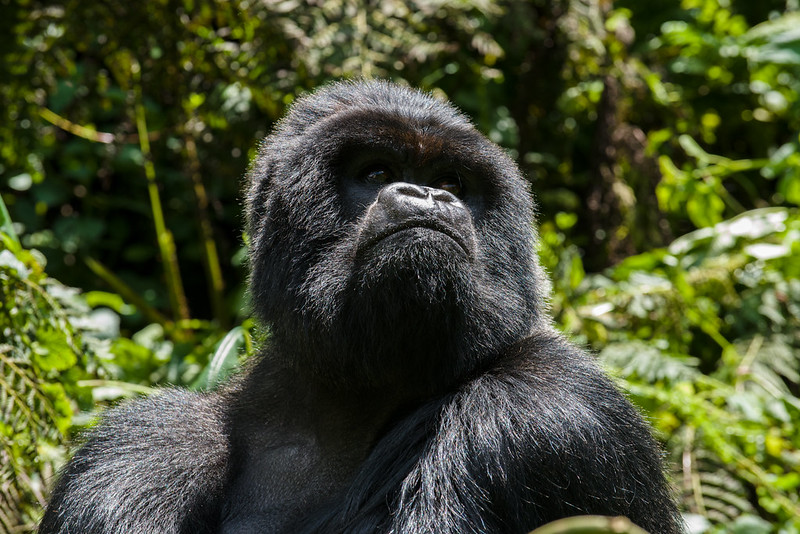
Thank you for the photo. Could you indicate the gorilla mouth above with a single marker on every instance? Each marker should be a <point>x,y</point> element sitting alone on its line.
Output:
<point>425,225</point>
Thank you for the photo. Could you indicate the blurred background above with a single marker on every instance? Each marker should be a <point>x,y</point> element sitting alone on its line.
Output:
<point>660,138</point>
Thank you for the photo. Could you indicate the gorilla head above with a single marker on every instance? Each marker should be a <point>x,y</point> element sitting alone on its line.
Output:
<point>392,242</point>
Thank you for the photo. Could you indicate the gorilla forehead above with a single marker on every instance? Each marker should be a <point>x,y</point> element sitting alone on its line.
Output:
<point>378,115</point>
<point>411,105</point>
<point>416,143</point>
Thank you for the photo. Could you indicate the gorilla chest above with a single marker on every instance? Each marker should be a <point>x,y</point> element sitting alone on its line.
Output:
<point>276,487</point>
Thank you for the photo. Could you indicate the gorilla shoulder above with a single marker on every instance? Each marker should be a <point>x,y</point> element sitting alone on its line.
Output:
<point>161,459</point>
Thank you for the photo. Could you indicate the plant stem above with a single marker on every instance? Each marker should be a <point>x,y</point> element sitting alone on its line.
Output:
<point>166,243</point>
<point>210,255</point>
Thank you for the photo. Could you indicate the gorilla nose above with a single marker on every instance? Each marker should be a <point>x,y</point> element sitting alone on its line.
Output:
<point>420,195</point>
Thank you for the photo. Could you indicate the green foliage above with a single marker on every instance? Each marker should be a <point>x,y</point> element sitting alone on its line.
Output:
<point>706,334</point>
<point>61,354</point>
<point>39,347</point>
<point>760,67</point>
<point>127,126</point>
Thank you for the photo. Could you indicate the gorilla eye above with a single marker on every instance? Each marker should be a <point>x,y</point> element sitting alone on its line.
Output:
<point>377,174</point>
<point>450,183</point>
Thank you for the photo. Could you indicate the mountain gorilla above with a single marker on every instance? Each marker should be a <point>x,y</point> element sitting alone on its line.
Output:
<point>412,382</point>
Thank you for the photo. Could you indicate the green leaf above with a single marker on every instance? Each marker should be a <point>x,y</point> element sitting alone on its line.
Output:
<point>9,261</point>
<point>225,359</point>
<point>6,225</point>
<point>767,251</point>
<point>52,350</point>
<point>749,524</point>
<point>749,405</point>
<point>705,208</point>
<point>110,300</point>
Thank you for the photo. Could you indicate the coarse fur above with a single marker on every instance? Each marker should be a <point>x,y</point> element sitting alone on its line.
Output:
<point>412,382</point>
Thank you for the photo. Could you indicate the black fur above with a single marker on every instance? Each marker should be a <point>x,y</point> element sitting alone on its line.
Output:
<point>412,383</point>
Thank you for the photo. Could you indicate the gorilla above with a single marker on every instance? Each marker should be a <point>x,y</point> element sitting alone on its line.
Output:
<point>411,383</point>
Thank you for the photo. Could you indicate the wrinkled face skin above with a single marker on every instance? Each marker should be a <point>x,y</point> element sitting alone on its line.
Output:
<point>391,242</point>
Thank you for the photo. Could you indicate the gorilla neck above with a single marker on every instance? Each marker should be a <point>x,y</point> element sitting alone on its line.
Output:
<point>396,324</point>
<point>402,341</point>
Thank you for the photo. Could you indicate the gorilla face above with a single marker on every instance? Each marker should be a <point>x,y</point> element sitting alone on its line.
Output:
<point>404,234</point>
<point>414,223</point>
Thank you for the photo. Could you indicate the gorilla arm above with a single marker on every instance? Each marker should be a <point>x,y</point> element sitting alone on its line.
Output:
<point>156,465</point>
<point>541,435</point>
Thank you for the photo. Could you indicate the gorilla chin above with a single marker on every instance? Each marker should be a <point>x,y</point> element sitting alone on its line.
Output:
<point>412,382</point>
<point>416,265</point>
